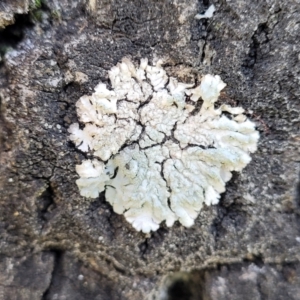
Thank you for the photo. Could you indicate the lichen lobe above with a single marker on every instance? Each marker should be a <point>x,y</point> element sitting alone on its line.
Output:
<point>155,159</point>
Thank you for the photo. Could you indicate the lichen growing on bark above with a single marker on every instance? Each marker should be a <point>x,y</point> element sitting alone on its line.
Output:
<point>156,156</point>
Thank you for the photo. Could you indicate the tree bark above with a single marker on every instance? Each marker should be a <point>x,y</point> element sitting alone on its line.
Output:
<point>56,244</point>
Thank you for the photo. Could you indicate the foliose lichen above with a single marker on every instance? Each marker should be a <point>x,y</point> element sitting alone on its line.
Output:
<point>157,156</point>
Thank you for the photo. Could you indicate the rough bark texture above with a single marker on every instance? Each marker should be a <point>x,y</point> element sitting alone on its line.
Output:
<point>57,245</point>
<point>8,10</point>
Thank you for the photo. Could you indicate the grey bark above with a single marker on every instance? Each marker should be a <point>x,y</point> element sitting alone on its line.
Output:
<point>57,245</point>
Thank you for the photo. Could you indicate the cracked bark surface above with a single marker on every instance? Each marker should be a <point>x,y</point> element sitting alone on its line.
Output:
<point>57,245</point>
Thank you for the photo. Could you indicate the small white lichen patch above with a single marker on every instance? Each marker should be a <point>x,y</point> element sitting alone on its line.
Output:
<point>208,14</point>
<point>161,150</point>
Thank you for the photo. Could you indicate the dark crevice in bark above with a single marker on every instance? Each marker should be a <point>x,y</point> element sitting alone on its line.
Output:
<point>205,24</point>
<point>144,247</point>
<point>228,210</point>
<point>259,44</point>
<point>256,259</point>
<point>45,204</point>
<point>14,34</point>
<point>179,290</point>
<point>203,51</point>
<point>10,37</point>
<point>258,39</point>
<point>58,255</point>
<point>155,240</point>
<point>187,286</point>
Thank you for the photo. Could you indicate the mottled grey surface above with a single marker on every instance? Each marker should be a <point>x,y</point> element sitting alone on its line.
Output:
<point>26,277</point>
<point>248,240</point>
